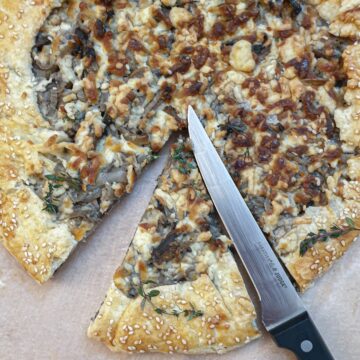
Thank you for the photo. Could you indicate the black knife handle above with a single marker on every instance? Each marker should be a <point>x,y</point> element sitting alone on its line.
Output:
<point>301,337</point>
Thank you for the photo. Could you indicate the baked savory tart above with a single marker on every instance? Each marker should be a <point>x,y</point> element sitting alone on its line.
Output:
<point>178,288</point>
<point>91,90</point>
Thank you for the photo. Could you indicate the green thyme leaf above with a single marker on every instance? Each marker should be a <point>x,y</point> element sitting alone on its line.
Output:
<point>51,208</point>
<point>141,291</point>
<point>194,314</point>
<point>55,182</point>
<point>149,282</point>
<point>182,170</point>
<point>184,159</point>
<point>350,222</point>
<point>335,232</point>
<point>63,177</point>
<point>55,178</point>
<point>147,297</point>
<point>153,293</point>
<point>49,200</point>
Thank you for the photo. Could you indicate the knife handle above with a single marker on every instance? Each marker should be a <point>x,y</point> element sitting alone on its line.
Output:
<point>301,336</point>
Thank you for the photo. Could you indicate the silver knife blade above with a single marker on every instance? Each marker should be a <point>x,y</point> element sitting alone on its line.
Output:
<point>278,298</point>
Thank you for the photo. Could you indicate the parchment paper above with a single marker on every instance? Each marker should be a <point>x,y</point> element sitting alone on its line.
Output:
<point>50,321</point>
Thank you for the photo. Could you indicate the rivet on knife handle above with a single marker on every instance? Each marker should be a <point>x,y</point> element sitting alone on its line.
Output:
<point>301,337</point>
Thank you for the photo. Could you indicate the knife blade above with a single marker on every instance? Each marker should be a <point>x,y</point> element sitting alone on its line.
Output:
<point>282,311</point>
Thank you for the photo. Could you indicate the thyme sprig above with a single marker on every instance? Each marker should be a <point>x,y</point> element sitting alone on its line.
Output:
<point>49,199</point>
<point>147,298</point>
<point>184,159</point>
<point>74,183</point>
<point>323,235</point>
<point>55,182</point>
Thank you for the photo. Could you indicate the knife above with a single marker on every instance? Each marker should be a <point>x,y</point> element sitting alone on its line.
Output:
<point>282,311</point>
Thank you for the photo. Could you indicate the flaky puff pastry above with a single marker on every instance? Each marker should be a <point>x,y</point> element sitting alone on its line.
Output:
<point>31,235</point>
<point>203,279</point>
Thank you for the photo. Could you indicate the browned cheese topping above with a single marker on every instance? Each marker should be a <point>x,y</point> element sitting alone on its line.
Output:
<point>268,79</point>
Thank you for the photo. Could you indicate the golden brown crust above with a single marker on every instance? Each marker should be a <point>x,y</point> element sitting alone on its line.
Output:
<point>39,244</point>
<point>227,323</point>
<point>203,278</point>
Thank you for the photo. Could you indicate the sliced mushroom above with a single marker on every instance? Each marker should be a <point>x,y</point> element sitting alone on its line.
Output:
<point>117,175</point>
<point>48,101</point>
<point>89,211</point>
<point>85,197</point>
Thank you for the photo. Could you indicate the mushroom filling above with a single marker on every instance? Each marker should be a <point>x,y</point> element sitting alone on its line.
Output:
<point>266,77</point>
